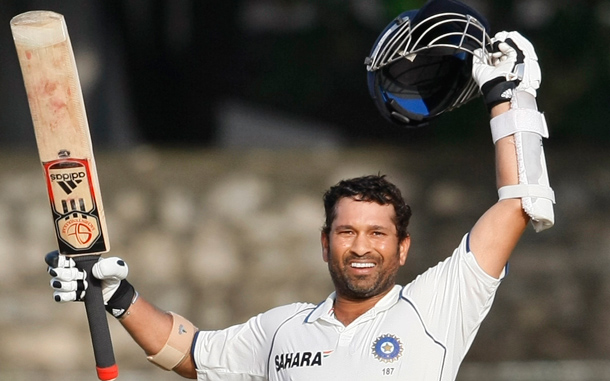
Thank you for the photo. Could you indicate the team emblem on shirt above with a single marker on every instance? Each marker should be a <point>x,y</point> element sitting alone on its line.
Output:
<point>387,348</point>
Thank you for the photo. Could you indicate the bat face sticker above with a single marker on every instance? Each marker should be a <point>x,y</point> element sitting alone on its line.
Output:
<point>72,199</point>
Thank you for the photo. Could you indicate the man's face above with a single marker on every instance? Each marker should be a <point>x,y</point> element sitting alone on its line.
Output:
<point>362,249</point>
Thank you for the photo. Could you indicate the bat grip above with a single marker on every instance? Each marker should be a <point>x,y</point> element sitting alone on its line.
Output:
<point>98,324</point>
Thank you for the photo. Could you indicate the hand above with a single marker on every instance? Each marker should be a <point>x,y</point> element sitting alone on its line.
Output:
<point>70,283</point>
<point>511,66</point>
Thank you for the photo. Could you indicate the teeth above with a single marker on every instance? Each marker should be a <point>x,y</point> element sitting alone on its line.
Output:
<point>362,265</point>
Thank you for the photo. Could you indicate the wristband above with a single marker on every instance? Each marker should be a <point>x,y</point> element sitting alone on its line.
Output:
<point>497,91</point>
<point>122,299</point>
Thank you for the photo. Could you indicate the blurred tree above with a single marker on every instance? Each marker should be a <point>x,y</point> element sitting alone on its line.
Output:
<point>395,7</point>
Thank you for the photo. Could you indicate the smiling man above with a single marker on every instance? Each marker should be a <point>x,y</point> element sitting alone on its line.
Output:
<point>364,241</point>
<point>370,328</point>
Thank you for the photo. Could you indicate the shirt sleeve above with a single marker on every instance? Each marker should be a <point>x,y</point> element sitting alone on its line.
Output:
<point>239,352</point>
<point>453,298</point>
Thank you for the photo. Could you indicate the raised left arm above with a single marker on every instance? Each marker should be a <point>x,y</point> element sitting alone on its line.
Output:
<point>497,232</point>
<point>509,79</point>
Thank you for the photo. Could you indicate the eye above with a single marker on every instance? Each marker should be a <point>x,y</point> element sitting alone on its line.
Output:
<point>345,232</point>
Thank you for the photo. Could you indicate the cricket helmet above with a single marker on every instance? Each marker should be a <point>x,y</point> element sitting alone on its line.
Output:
<point>421,64</point>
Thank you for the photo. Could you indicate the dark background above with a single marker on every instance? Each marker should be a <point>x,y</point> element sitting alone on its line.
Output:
<point>158,72</point>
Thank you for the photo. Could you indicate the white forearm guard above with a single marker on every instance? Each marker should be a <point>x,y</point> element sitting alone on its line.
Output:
<point>528,127</point>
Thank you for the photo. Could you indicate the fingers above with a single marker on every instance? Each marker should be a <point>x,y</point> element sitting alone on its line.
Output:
<point>509,63</point>
<point>66,274</point>
<point>51,258</point>
<point>62,268</point>
<point>527,69</point>
<point>522,44</point>
<point>68,291</point>
<point>54,259</point>
<point>501,36</point>
<point>503,53</point>
<point>505,49</point>
<point>68,282</point>
<point>64,297</point>
<point>68,286</point>
<point>110,268</point>
<point>481,57</point>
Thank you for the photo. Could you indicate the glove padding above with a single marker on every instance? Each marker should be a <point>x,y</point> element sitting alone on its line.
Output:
<point>70,283</point>
<point>512,65</point>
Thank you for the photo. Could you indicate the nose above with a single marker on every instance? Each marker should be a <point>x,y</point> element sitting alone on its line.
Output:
<point>361,245</point>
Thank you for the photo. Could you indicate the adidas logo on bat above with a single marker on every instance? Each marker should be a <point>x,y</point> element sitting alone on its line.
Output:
<point>68,181</point>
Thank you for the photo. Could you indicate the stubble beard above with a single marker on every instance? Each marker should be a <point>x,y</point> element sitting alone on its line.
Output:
<point>361,287</point>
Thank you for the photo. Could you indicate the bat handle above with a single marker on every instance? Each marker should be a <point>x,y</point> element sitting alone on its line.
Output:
<point>98,324</point>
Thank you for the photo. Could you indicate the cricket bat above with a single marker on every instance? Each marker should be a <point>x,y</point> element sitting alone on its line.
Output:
<point>64,146</point>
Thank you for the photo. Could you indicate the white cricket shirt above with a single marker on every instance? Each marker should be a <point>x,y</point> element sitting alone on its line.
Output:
<point>419,332</point>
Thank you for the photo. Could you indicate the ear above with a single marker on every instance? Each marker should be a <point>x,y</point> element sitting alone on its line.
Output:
<point>325,248</point>
<point>403,249</point>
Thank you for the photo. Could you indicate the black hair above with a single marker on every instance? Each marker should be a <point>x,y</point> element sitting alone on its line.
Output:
<point>371,188</point>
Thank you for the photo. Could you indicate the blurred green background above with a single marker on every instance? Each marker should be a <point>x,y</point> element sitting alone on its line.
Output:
<point>160,71</point>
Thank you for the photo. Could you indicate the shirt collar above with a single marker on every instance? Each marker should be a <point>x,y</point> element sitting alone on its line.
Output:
<point>325,310</point>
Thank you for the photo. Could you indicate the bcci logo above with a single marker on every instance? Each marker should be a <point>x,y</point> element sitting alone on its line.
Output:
<point>387,348</point>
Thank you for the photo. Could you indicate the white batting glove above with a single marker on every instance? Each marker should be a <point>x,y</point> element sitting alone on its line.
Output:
<point>111,271</point>
<point>511,66</point>
<point>70,283</point>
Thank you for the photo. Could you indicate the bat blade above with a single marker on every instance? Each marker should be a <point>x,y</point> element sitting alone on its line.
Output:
<point>64,145</point>
<point>62,131</point>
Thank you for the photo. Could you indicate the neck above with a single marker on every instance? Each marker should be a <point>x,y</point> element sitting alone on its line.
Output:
<point>349,309</point>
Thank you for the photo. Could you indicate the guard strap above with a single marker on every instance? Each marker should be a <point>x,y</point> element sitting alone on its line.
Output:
<point>177,346</point>
<point>526,190</point>
<point>518,120</point>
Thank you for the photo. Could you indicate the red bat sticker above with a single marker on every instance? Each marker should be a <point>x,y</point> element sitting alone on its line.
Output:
<point>75,212</point>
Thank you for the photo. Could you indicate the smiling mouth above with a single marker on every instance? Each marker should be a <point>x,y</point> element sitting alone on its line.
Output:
<point>360,265</point>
